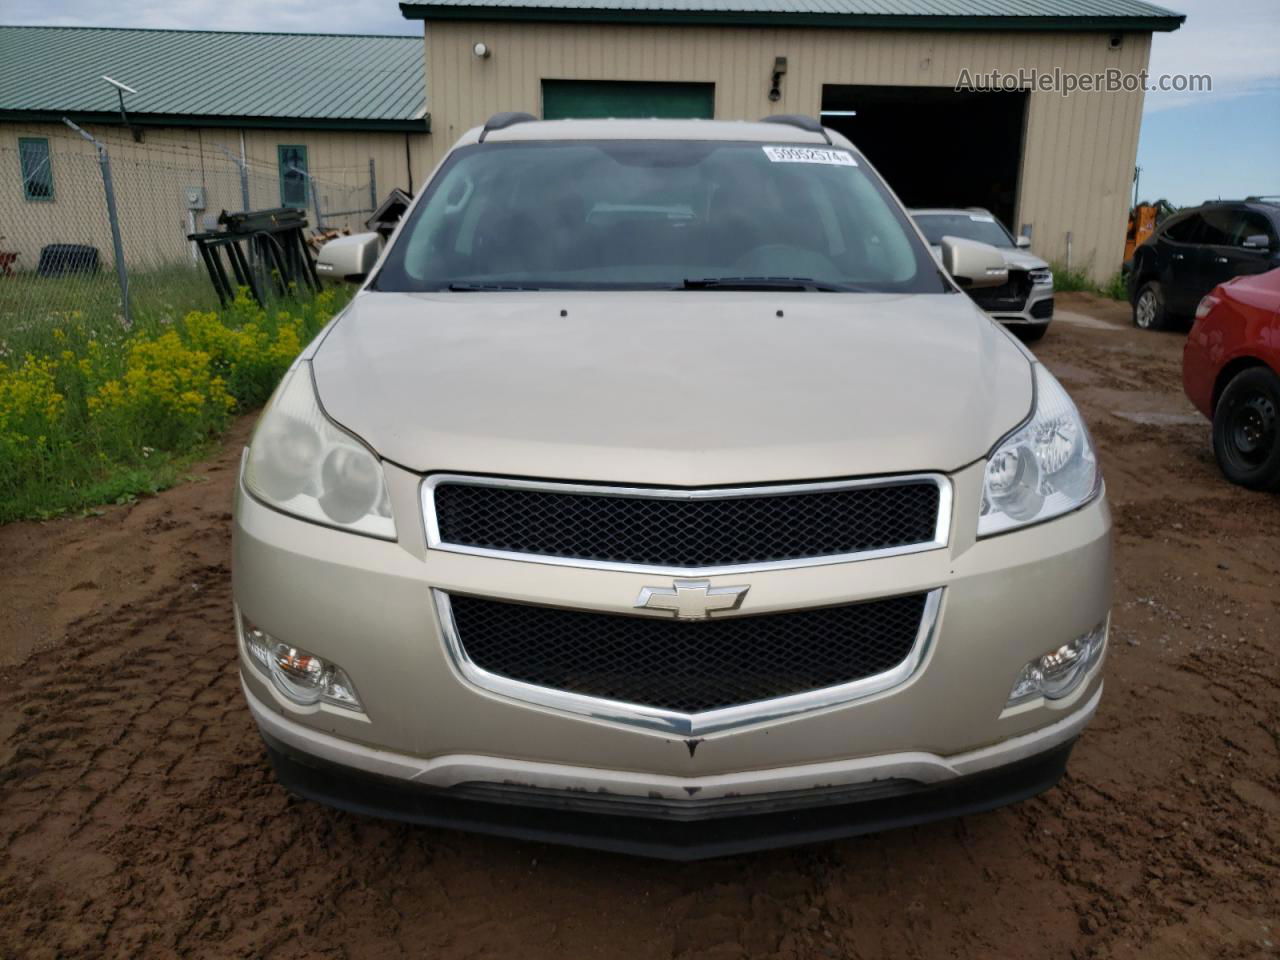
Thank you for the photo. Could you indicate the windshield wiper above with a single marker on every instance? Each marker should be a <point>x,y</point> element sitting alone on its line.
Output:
<point>463,287</point>
<point>767,283</point>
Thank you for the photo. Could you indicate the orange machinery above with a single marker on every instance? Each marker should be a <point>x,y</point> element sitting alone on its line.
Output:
<point>1142,223</point>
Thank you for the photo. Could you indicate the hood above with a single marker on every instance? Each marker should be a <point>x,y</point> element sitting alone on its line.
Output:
<point>1022,259</point>
<point>681,388</point>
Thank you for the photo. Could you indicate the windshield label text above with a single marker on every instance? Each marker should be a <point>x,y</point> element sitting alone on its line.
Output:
<point>835,158</point>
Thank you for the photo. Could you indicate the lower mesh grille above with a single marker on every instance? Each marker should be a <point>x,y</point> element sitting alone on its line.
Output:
<point>688,666</point>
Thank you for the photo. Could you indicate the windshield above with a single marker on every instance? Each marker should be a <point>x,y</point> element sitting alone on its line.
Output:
<point>639,214</point>
<point>968,226</point>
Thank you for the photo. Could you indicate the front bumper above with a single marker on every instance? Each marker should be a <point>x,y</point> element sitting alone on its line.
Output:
<point>680,818</point>
<point>367,605</point>
<point>664,831</point>
<point>1036,312</point>
<point>1199,369</point>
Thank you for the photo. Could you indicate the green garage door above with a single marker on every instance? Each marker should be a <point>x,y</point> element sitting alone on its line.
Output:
<point>584,99</point>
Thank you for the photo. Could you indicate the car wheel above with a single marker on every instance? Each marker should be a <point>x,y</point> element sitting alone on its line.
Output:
<point>1031,334</point>
<point>1246,430</point>
<point>1148,309</point>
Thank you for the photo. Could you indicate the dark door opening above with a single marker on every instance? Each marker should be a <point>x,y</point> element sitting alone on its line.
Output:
<point>935,146</point>
<point>587,99</point>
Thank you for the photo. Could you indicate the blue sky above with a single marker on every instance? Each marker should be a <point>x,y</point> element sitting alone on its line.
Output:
<point>1194,146</point>
<point>1199,146</point>
<point>1219,148</point>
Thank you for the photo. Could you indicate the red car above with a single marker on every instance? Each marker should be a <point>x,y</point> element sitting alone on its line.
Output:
<point>1231,372</point>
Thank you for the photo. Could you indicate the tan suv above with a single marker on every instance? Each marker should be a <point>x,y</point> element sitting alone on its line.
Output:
<point>658,492</point>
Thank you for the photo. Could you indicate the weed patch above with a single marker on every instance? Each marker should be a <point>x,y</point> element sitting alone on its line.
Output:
<point>91,414</point>
<point>1079,281</point>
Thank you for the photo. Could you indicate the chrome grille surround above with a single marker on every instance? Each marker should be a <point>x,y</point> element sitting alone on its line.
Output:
<point>688,724</point>
<point>940,533</point>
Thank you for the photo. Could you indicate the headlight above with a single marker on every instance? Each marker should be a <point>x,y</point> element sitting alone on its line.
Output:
<point>1042,278</point>
<point>302,464</point>
<point>1045,468</point>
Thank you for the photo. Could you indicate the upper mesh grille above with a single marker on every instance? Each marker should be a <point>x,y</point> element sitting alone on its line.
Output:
<point>687,665</point>
<point>704,532</point>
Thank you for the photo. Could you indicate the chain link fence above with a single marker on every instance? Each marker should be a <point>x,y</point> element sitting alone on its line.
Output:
<point>77,229</point>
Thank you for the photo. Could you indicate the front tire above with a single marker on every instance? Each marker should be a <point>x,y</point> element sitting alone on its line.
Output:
<point>1246,430</point>
<point>1149,312</point>
<point>1030,334</point>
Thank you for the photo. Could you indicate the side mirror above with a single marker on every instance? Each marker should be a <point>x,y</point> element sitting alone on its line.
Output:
<point>349,258</point>
<point>973,264</point>
<point>1022,242</point>
<point>1257,241</point>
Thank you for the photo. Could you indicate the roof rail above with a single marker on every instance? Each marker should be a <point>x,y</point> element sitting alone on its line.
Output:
<point>801,122</point>
<point>1256,198</point>
<point>500,121</point>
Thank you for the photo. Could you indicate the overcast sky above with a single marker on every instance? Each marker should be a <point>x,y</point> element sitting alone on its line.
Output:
<point>1194,145</point>
<point>298,16</point>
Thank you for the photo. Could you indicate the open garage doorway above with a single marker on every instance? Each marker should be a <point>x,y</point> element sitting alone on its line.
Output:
<point>935,146</point>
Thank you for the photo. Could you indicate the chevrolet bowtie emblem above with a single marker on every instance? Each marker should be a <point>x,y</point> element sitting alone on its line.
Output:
<point>691,599</point>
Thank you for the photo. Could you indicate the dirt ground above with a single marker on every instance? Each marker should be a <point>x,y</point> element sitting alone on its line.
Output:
<point>139,818</point>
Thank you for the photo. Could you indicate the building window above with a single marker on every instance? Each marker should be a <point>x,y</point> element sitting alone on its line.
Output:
<point>293,175</point>
<point>37,175</point>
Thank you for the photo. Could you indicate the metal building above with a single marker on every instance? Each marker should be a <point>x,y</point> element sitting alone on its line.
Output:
<point>884,72</point>
<point>197,122</point>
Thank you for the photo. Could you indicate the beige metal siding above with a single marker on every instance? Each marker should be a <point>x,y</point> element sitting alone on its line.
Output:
<point>150,178</point>
<point>1079,151</point>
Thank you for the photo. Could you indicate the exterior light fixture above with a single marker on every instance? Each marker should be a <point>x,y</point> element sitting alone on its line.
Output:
<point>775,83</point>
<point>481,50</point>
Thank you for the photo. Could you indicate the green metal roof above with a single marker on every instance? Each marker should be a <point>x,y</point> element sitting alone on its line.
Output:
<point>896,14</point>
<point>198,78</point>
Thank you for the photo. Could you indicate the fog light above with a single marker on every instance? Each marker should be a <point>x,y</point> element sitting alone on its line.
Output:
<point>1058,672</point>
<point>301,676</point>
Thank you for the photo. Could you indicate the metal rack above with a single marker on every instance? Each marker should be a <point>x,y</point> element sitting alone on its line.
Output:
<point>265,250</point>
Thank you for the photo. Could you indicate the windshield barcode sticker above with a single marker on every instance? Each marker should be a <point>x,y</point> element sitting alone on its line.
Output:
<point>835,158</point>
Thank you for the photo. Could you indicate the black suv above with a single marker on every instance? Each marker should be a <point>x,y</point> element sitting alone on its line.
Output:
<point>1197,249</point>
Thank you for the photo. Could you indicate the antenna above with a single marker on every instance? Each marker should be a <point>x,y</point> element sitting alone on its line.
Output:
<point>121,90</point>
<point>123,87</point>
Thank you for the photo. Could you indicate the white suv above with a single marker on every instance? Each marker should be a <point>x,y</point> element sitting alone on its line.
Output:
<point>1025,301</point>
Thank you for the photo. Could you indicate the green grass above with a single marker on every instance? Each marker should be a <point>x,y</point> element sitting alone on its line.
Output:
<point>1079,281</point>
<point>1072,281</point>
<point>31,305</point>
<point>1117,288</point>
<point>119,483</point>
<point>94,413</point>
